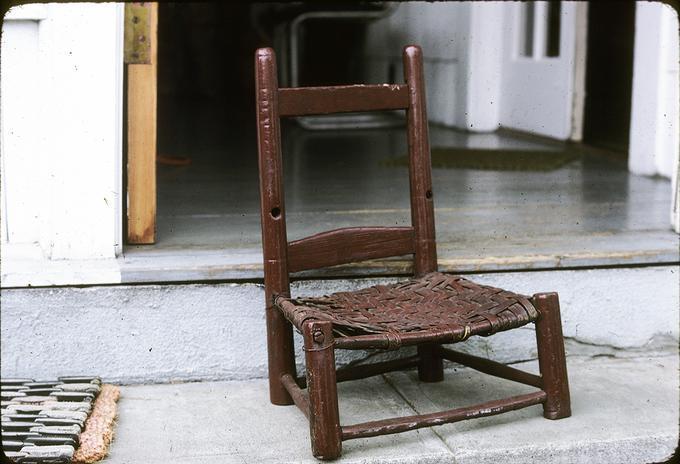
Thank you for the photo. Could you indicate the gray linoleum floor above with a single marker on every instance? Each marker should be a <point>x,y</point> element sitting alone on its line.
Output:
<point>588,212</point>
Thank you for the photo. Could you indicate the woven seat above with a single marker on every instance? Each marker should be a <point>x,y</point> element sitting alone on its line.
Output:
<point>427,311</point>
<point>434,303</point>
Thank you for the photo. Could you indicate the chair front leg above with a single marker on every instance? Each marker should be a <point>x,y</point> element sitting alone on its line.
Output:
<point>551,357</point>
<point>324,418</point>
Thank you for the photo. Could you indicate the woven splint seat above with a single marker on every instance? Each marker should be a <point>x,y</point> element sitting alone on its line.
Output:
<point>436,303</point>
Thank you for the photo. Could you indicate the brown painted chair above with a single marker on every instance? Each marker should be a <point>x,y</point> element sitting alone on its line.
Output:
<point>429,310</point>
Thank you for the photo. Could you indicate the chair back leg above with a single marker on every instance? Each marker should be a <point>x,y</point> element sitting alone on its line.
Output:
<point>281,355</point>
<point>274,238</point>
<point>430,363</point>
<point>551,357</point>
<point>324,418</point>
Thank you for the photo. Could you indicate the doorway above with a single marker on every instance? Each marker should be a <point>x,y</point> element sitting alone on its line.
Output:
<point>205,88</point>
<point>609,74</point>
<point>580,213</point>
<point>206,114</point>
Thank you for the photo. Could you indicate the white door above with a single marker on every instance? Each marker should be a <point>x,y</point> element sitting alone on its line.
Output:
<point>539,71</point>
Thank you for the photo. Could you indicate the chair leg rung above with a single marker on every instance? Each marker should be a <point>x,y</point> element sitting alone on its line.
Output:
<point>363,371</point>
<point>369,370</point>
<point>403,424</point>
<point>492,368</point>
<point>299,396</point>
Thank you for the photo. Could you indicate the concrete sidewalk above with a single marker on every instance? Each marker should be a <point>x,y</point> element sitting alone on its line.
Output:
<point>624,411</point>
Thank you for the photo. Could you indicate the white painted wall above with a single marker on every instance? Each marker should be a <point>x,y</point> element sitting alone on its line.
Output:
<point>21,157</point>
<point>461,45</point>
<point>675,191</point>
<point>436,27</point>
<point>61,135</point>
<point>475,79</point>
<point>654,139</point>
<point>483,60</point>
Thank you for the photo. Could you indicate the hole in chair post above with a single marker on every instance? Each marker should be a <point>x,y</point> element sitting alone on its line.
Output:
<point>275,212</point>
<point>428,194</point>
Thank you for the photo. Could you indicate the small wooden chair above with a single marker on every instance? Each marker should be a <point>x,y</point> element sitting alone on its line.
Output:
<point>429,310</point>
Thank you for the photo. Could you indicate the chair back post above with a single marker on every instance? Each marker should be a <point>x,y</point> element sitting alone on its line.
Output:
<point>420,171</point>
<point>274,238</point>
<point>430,365</point>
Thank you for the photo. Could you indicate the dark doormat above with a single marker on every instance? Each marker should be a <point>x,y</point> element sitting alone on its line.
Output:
<point>493,159</point>
<point>68,420</point>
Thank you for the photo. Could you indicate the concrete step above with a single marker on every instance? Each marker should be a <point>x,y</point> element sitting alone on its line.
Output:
<point>167,333</point>
<point>624,411</point>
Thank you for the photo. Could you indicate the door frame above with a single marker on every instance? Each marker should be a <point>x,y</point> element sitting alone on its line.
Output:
<point>141,126</point>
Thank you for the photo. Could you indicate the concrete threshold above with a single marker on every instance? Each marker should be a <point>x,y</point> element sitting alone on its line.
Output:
<point>624,410</point>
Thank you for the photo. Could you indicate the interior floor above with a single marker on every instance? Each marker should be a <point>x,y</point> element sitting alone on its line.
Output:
<point>589,212</point>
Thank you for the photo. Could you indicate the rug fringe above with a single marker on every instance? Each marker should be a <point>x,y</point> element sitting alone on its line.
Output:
<point>98,433</point>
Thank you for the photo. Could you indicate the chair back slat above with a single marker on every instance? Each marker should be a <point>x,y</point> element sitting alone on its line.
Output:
<point>349,245</point>
<point>304,101</point>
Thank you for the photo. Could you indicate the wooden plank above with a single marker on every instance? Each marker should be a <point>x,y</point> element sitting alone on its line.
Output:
<point>304,101</point>
<point>348,245</point>
<point>141,142</point>
<point>403,424</point>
